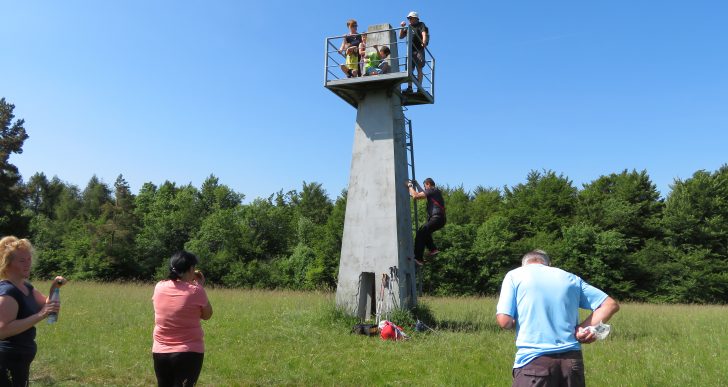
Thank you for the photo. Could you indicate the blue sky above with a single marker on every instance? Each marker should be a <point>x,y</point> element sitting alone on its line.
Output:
<point>179,90</point>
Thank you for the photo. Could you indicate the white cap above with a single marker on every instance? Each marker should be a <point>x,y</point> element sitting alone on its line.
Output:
<point>413,14</point>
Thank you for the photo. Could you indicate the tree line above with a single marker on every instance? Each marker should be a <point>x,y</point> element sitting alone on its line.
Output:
<point>615,232</point>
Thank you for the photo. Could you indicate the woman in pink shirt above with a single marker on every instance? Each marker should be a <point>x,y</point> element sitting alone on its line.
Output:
<point>180,302</point>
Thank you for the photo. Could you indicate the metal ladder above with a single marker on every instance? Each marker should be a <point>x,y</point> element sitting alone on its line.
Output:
<point>409,145</point>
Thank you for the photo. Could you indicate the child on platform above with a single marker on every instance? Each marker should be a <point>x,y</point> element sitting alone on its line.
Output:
<point>376,61</point>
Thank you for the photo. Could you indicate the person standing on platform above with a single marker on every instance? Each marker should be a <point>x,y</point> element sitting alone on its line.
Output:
<point>436,218</point>
<point>420,40</point>
<point>350,49</point>
<point>542,303</point>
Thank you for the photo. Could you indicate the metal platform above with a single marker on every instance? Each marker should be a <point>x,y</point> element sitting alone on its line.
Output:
<point>352,90</point>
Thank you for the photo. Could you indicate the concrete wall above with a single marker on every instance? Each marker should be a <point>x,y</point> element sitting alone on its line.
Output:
<point>378,228</point>
<point>388,39</point>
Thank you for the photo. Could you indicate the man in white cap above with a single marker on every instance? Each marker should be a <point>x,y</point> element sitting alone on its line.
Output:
<point>420,40</point>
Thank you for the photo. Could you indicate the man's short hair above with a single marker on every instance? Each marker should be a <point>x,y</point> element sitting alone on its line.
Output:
<point>536,255</point>
<point>429,181</point>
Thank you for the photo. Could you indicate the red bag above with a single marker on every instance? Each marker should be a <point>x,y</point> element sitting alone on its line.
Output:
<point>389,331</point>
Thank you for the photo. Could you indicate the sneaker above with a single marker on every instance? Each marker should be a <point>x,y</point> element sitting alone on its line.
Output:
<point>418,262</point>
<point>432,253</point>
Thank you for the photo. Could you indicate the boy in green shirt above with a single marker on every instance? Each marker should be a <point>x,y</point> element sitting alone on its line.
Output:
<point>376,61</point>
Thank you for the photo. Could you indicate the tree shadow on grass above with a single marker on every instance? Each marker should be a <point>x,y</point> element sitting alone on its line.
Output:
<point>408,318</point>
<point>466,326</point>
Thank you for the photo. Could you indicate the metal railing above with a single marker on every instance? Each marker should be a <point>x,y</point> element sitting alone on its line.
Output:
<point>335,59</point>
<point>428,68</point>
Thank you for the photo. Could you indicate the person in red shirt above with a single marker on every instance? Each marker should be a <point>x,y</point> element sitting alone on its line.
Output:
<point>180,302</point>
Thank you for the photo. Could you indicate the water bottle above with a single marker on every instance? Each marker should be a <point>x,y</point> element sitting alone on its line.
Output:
<point>55,297</point>
<point>601,330</point>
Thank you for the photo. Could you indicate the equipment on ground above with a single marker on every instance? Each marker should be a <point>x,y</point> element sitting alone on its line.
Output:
<point>365,329</point>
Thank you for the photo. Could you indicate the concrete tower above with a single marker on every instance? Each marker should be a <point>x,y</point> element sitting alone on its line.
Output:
<point>376,270</point>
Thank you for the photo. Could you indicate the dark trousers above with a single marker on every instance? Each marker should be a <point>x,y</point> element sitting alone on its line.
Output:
<point>555,370</point>
<point>15,369</point>
<point>179,369</point>
<point>424,235</point>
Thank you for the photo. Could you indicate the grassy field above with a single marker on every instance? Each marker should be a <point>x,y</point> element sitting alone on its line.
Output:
<point>103,337</point>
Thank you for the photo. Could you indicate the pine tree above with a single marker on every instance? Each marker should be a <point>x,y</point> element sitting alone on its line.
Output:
<point>12,137</point>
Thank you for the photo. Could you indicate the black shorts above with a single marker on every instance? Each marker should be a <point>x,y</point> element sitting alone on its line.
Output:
<point>418,57</point>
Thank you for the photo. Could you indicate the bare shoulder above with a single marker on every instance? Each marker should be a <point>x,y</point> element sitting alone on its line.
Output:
<point>8,307</point>
<point>7,300</point>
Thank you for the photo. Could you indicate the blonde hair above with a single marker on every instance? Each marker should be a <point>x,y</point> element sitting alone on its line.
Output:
<point>8,246</point>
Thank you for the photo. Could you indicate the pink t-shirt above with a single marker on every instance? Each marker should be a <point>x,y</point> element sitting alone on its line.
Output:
<point>177,310</point>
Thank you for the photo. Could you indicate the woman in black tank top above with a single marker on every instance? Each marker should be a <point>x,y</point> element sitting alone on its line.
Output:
<point>350,46</point>
<point>21,307</point>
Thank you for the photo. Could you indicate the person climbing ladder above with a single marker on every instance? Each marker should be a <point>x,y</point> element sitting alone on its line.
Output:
<point>435,218</point>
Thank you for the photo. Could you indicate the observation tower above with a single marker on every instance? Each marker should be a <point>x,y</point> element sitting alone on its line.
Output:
<point>377,272</point>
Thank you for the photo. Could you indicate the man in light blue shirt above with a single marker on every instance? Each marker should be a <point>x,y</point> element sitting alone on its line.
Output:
<point>542,303</point>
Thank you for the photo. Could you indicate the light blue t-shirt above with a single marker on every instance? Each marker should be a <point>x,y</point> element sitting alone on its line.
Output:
<point>545,303</point>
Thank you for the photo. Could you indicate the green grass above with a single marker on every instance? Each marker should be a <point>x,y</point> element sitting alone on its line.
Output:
<point>103,337</point>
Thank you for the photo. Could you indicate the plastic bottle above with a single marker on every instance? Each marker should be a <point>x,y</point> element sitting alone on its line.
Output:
<point>601,330</point>
<point>55,297</point>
